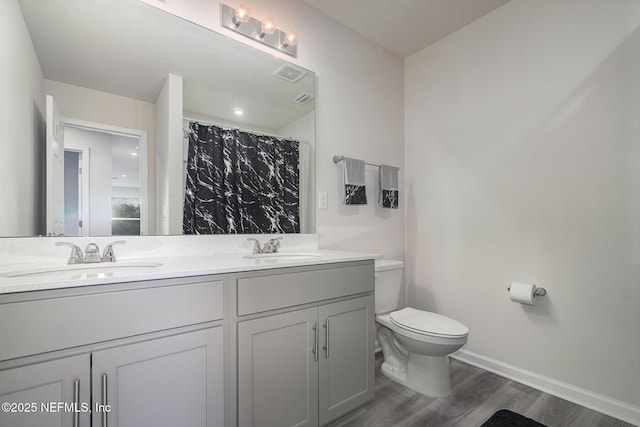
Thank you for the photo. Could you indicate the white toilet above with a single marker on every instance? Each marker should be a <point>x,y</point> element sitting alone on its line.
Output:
<point>416,344</point>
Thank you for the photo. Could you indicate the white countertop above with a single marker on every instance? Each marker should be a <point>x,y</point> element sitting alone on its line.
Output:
<point>137,269</point>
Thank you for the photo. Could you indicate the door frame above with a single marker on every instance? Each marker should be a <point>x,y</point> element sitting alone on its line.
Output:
<point>143,159</point>
<point>83,188</point>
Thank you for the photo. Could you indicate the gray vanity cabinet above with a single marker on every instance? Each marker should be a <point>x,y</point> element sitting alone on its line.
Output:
<point>307,366</point>
<point>30,394</point>
<point>346,359</point>
<point>146,353</point>
<point>277,372</point>
<point>171,381</point>
<point>292,346</point>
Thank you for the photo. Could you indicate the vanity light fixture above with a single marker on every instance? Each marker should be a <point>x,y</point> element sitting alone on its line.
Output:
<point>265,32</point>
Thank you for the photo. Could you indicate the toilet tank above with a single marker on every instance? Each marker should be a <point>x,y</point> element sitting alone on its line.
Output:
<point>388,281</point>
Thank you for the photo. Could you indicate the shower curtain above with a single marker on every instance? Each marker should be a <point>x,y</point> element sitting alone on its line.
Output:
<point>240,182</point>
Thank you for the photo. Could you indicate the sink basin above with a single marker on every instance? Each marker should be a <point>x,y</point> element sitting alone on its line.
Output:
<point>77,271</point>
<point>283,256</point>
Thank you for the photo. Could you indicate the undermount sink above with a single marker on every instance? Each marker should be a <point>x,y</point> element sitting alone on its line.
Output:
<point>284,256</point>
<point>86,270</point>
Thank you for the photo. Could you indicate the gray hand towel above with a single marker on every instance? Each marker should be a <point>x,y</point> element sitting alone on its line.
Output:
<point>354,182</point>
<point>388,180</point>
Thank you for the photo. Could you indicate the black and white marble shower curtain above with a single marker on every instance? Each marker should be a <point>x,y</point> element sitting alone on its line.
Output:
<point>240,183</point>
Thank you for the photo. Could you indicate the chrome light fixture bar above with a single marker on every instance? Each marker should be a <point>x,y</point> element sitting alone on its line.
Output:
<point>264,32</point>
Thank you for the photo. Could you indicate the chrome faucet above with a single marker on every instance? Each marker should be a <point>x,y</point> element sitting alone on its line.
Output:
<point>108,255</point>
<point>76,256</point>
<point>91,253</point>
<point>270,247</point>
<point>257,248</point>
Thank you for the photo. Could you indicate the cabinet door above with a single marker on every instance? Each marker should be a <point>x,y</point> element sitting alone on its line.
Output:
<point>346,371</point>
<point>277,370</point>
<point>47,394</point>
<point>172,381</point>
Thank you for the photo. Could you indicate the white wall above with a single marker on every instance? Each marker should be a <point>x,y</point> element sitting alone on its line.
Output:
<point>304,130</point>
<point>169,156</point>
<point>359,113</point>
<point>105,108</point>
<point>21,126</point>
<point>522,160</point>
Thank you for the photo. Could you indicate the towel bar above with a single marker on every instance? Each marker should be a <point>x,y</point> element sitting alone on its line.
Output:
<point>338,159</point>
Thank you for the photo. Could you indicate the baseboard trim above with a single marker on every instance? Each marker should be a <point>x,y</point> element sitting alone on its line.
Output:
<point>583,397</point>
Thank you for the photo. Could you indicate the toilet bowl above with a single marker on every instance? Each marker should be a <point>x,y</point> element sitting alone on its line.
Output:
<point>416,344</point>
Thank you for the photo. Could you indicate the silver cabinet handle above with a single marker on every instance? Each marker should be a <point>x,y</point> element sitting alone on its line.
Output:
<point>326,342</point>
<point>104,400</point>
<point>76,402</point>
<point>314,350</point>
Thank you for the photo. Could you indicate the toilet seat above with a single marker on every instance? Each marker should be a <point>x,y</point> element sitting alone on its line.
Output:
<point>425,322</point>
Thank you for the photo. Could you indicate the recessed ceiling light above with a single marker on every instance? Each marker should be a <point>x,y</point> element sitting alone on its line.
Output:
<point>133,153</point>
<point>123,175</point>
<point>238,112</point>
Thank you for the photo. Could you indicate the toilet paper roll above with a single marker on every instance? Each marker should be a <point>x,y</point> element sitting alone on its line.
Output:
<point>524,293</point>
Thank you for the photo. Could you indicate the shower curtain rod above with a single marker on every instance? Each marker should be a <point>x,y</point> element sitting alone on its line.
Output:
<point>204,122</point>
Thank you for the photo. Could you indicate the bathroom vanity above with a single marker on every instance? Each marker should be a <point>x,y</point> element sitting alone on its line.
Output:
<point>304,343</point>
<point>265,342</point>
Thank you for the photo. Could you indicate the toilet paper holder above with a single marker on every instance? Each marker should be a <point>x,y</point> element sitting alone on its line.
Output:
<point>539,292</point>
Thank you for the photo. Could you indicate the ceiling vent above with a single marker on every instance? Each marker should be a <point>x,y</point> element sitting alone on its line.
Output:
<point>290,73</point>
<point>303,98</point>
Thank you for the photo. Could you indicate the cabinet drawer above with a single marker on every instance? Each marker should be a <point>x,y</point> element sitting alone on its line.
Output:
<point>272,291</point>
<point>32,327</point>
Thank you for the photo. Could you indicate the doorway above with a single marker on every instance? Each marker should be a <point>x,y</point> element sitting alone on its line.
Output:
<point>106,181</point>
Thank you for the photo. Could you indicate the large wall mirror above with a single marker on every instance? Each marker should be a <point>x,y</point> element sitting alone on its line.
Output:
<point>106,66</point>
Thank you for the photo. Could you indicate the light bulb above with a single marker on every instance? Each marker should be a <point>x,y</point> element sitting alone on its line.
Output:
<point>241,15</point>
<point>290,39</point>
<point>268,27</point>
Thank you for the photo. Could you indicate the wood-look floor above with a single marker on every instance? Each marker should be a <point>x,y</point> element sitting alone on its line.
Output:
<point>476,395</point>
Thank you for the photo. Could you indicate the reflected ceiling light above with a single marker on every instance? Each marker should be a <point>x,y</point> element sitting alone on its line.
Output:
<point>268,27</point>
<point>264,31</point>
<point>240,16</point>
<point>238,112</point>
<point>133,153</point>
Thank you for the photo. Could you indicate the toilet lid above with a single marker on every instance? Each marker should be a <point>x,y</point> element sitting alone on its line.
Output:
<point>426,322</point>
